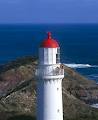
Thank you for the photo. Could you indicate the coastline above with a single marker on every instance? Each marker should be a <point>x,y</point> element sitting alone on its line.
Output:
<point>18,90</point>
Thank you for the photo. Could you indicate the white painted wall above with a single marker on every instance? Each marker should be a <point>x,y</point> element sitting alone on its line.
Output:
<point>50,100</point>
<point>49,86</point>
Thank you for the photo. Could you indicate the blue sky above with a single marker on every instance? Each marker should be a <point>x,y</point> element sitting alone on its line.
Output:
<point>48,11</point>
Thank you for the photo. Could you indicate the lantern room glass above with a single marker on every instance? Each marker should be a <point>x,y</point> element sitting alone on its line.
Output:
<point>58,55</point>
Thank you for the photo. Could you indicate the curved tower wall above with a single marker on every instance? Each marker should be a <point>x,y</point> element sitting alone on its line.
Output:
<point>49,85</point>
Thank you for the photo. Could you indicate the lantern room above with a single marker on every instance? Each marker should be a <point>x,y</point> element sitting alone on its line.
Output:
<point>49,51</point>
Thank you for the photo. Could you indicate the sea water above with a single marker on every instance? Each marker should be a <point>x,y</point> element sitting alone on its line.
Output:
<point>78,42</point>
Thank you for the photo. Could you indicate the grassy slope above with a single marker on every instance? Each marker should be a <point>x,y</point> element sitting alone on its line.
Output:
<point>18,92</point>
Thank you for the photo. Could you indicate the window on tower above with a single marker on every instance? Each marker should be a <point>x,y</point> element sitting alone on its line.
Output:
<point>58,55</point>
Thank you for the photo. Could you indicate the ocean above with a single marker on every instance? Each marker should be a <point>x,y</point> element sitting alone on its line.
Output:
<point>78,42</point>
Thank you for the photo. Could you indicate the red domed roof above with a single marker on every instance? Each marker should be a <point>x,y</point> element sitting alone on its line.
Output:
<point>49,42</point>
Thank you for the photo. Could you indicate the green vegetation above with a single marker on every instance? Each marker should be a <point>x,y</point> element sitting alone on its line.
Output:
<point>22,117</point>
<point>18,92</point>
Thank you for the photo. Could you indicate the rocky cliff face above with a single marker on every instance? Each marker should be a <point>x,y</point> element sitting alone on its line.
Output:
<point>80,87</point>
<point>18,92</point>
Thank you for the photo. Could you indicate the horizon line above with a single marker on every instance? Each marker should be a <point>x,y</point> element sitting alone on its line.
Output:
<point>45,23</point>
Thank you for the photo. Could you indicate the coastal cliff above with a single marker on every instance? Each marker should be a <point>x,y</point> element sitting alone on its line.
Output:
<point>18,92</point>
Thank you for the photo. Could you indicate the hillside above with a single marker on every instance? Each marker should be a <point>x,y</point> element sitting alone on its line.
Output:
<point>18,92</point>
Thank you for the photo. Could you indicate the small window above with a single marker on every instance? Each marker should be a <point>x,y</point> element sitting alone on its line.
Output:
<point>58,110</point>
<point>57,88</point>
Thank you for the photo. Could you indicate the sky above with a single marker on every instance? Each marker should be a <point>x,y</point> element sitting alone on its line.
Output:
<point>48,11</point>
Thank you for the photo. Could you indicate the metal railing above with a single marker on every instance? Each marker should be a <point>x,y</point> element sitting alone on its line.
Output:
<point>53,72</point>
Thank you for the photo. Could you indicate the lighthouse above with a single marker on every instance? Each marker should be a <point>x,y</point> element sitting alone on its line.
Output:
<point>49,81</point>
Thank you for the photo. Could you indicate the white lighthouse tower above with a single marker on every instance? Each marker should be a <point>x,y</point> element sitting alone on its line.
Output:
<point>49,86</point>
